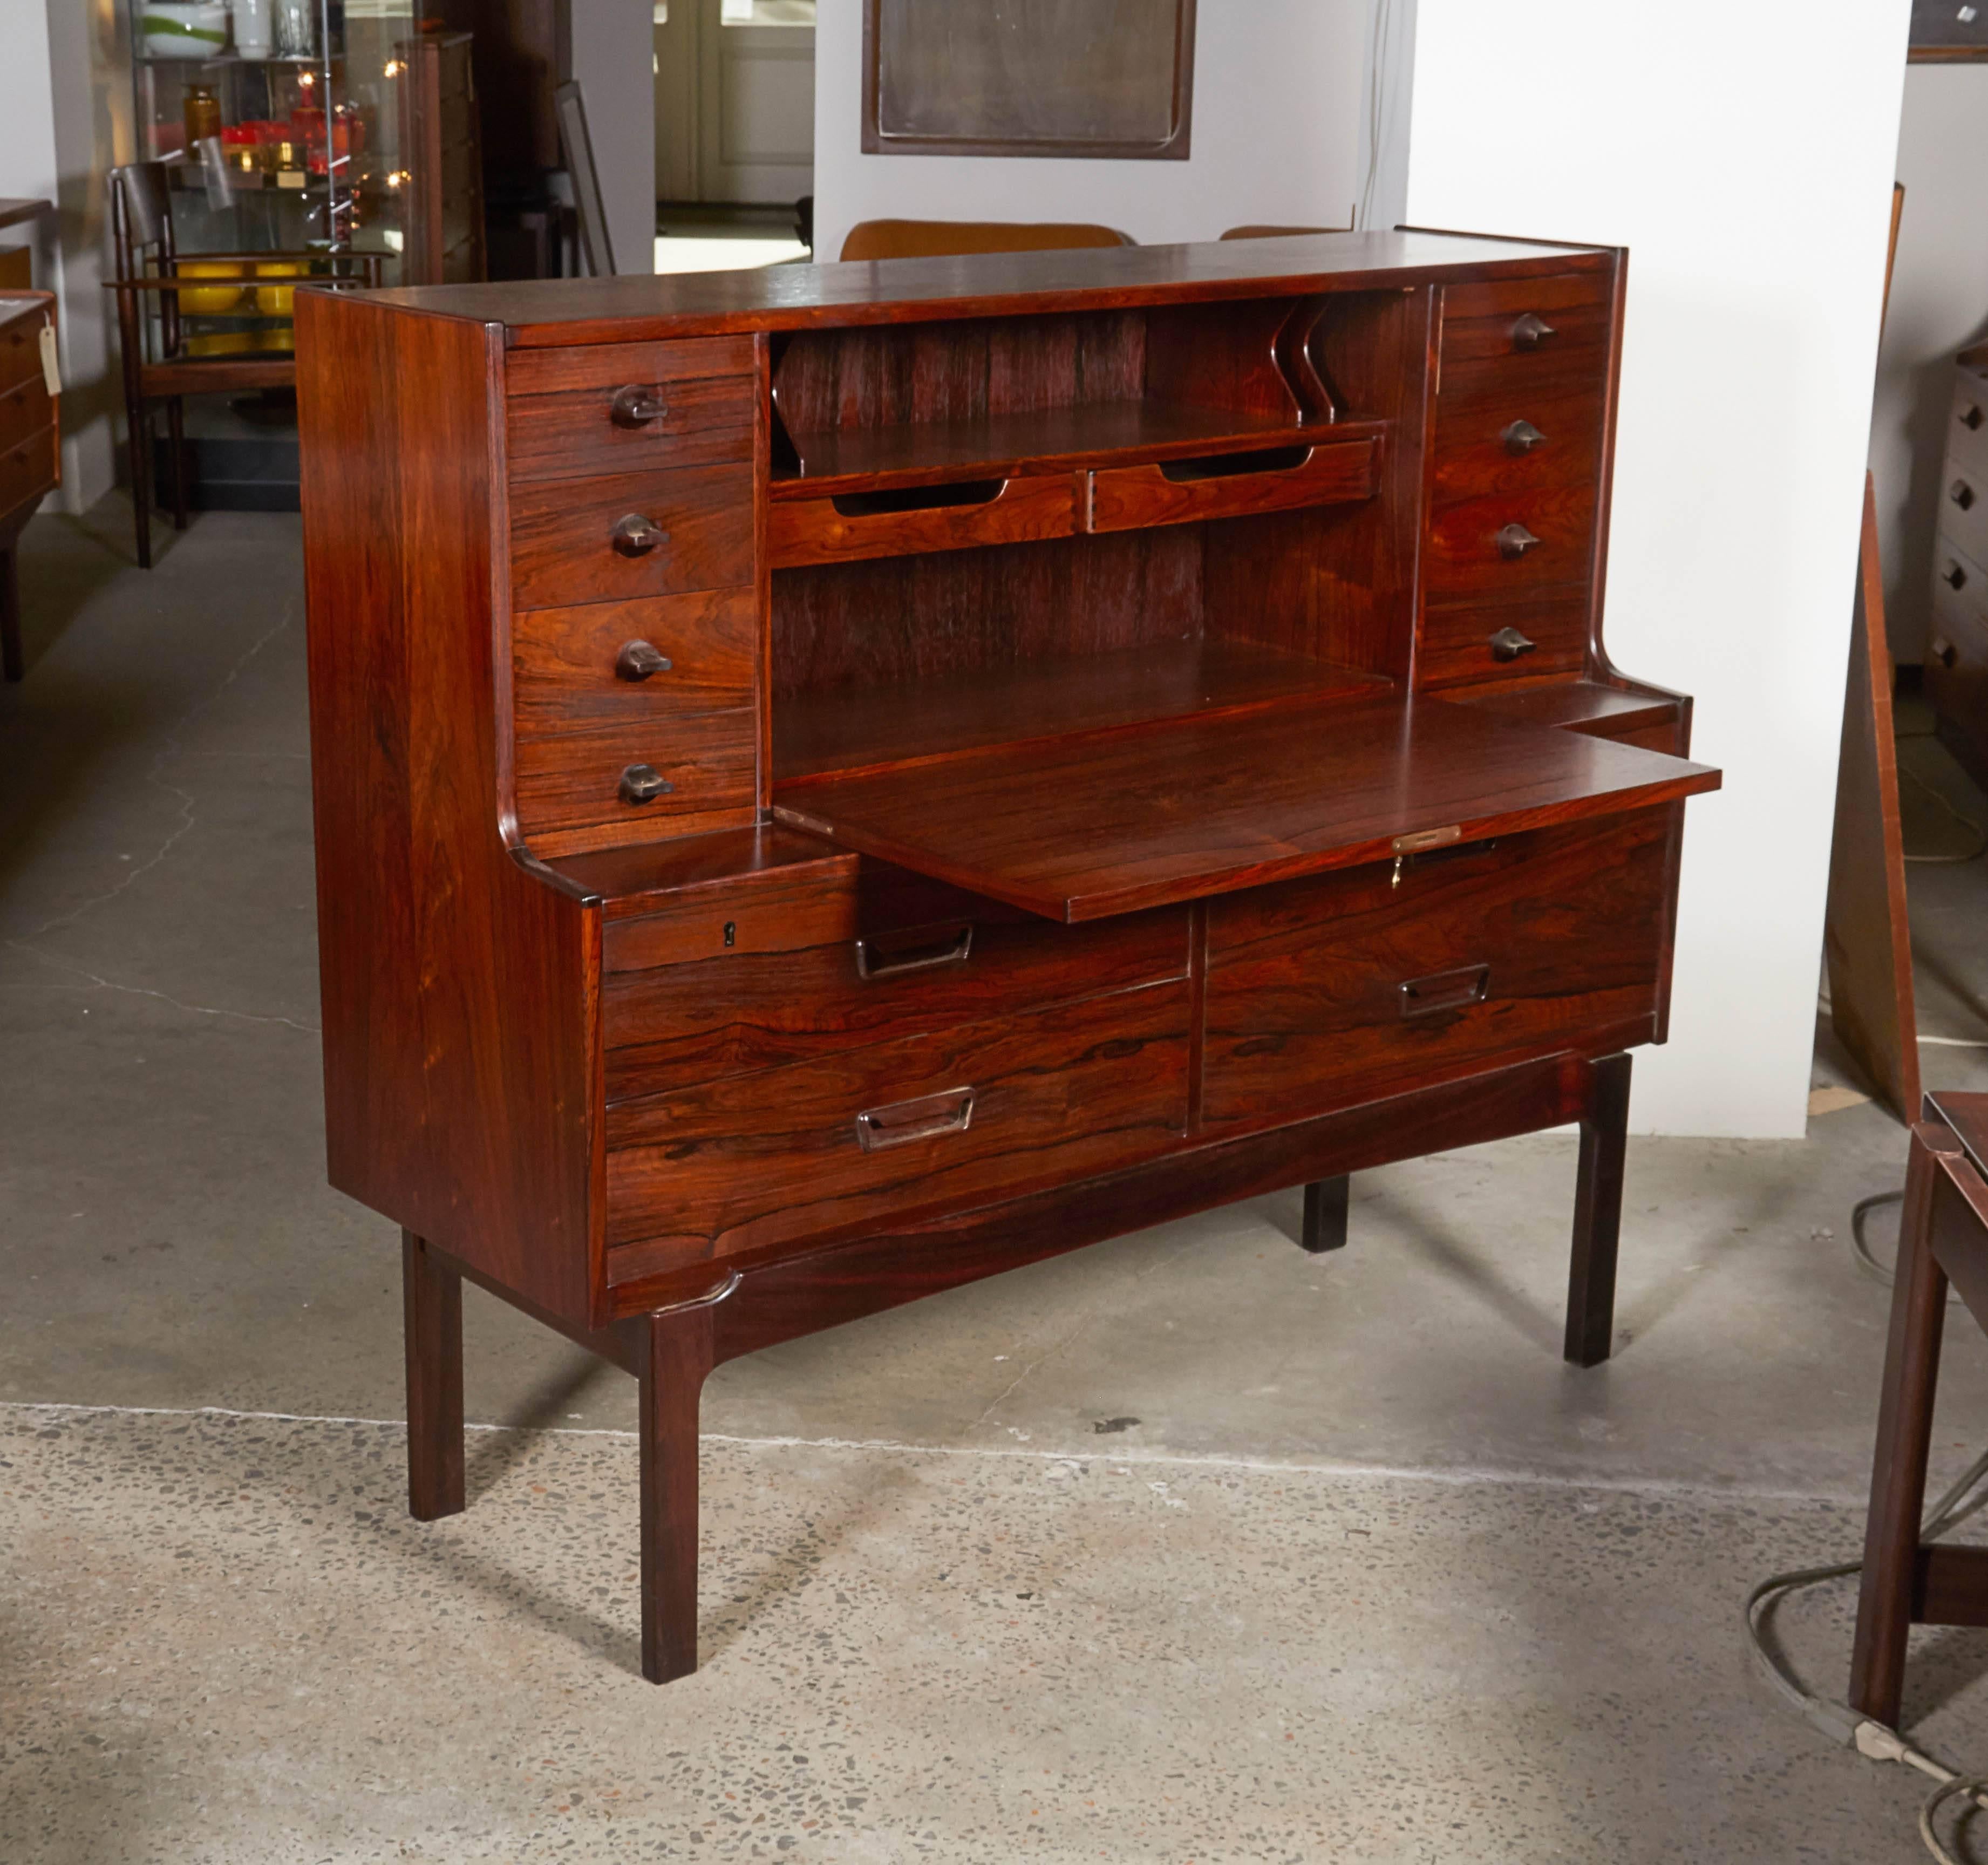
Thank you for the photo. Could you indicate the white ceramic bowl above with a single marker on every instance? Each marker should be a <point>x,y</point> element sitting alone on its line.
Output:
<point>177,29</point>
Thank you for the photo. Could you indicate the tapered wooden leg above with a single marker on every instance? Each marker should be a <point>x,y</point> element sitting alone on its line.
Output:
<point>1325,1214</point>
<point>1904,1435</point>
<point>176,438</point>
<point>1597,1214</point>
<point>679,1357</point>
<point>433,1295</point>
<point>12,663</point>
<point>139,431</point>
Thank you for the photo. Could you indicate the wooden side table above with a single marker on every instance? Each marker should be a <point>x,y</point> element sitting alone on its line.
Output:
<point>1942,1238</point>
<point>30,449</point>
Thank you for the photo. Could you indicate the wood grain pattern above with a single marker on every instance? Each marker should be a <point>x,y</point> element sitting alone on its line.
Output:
<point>460,991</point>
<point>776,910</point>
<point>1586,705</point>
<point>571,780</point>
<point>757,1159</point>
<point>1478,317</point>
<point>740,1012</point>
<point>1462,559</point>
<point>564,660</point>
<point>1019,510</point>
<point>865,727</point>
<point>1129,497</point>
<point>1199,806</point>
<point>574,435</point>
<point>1306,1006</point>
<point>612,366</point>
<point>562,549</point>
<point>648,878</point>
<point>1456,652</point>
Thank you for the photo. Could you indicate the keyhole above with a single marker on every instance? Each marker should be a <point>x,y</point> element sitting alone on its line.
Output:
<point>731,932</point>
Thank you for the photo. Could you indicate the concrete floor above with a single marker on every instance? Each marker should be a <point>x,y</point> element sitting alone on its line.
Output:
<point>1185,1547</point>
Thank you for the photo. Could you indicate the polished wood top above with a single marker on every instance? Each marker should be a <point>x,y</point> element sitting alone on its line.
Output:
<point>635,307</point>
<point>1080,829</point>
<point>1967,1114</point>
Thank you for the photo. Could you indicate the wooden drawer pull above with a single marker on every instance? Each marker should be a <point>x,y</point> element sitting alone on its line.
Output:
<point>1961,493</point>
<point>1943,650</point>
<point>1531,331</point>
<point>1953,576</point>
<point>929,1117</point>
<point>872,964</point>
<point>1446,990</point>
<point>637,661</point>
<point>1515,540</point>
<point>635,536</point>
<point>1508,645</point>
<point>636,407</point>
<point>643,783</point>
<point>1522,437</point>
<point>1970,417</point>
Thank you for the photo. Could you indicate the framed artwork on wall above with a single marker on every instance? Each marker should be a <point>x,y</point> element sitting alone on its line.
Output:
<point>1945,30</point>
<point>1105,77</point>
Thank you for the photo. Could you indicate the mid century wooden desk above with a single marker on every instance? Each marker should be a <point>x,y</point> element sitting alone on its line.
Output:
<point>837,780</point>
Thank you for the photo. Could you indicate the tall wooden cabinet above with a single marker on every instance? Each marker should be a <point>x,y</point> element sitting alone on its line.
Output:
<point>837,781</point>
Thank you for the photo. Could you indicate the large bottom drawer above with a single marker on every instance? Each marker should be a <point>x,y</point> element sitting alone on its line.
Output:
<point>945,1118</point>
<point>1347,988</point>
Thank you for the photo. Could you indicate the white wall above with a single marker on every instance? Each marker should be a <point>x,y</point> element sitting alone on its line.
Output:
<point>610,54</point>
<point>1276,139</point>
<point>1745,160</point>
<point>1939,305</point>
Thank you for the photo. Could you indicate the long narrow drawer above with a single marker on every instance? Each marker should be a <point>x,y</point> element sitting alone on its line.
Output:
<point>1326,993</point>
<point>1532,319</point>
<point>634,406</point>
<point>693,771</point>
<point>854,962</point>
<point>1229,485</point>
<point>634,534</point>
<point>977,1111</point>
<point>1545,633</point>
<point>599,663</point>
<point>1020,509</point>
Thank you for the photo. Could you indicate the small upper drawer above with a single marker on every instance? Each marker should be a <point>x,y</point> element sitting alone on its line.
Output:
<point>634,534</point>
<point>1227,485</point>
<point>599,663</point>
<point>1963,511</point>
<point>1023,509</point>
<point>27,469</point>
<point>584,367</point>
<point>25,411</point>
<point>1526,320</point>
<point>943,1118</point>
<point>1323,993</point>
<point>21,346</point>
<point>775,990</point>
<point>1465,645</point>
<point>1502,431</point>
<point>1501,543</point>
<point>1967,433</point>
<point>672,776</point>
<point>649,421</point>
<point>1959,582</point>
<point>1956,666</point>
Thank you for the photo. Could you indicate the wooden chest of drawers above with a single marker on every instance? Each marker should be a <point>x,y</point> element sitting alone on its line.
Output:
<point>835,783</point>
<point>30,455</point>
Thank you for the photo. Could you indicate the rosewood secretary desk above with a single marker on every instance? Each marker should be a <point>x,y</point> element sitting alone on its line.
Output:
<point>837,781</point>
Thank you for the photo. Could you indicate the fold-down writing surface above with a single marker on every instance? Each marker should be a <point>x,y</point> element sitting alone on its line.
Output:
<point>1081,828</point>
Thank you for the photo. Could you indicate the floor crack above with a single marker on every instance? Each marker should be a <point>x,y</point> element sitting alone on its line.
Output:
<point>92,982</point>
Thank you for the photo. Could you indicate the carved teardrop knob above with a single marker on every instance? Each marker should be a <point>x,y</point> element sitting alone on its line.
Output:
<point>636,407</point>
<point>1515,541</point>
<point>1970,417</point>
<point>635,536</point>
<point>1943,650</point>
<point>1531,331</point>
<point>1953,576</point>
<point>1961,493</point>
<point>1508,645</point>
<point>1521,436</point>
<point>643,783</point>
<point>637,661</point>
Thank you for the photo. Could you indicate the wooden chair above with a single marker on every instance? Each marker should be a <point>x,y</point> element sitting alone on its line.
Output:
<point>160,363</point>
<point>1942,1237</point>
<point>929,239</point>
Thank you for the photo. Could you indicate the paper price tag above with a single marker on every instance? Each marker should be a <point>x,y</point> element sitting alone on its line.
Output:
<point>50,373</point>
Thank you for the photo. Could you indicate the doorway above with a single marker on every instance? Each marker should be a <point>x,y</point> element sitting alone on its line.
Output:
<point>735,131</point>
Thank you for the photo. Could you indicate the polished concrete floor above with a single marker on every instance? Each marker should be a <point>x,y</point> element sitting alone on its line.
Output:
<point>1185,1547</point>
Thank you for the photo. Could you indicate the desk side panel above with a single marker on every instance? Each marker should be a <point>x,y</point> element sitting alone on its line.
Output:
<point>460,989</point>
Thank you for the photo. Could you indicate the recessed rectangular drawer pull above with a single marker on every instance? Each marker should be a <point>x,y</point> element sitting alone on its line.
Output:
<point>872,963</point>
<point>929,1117</point>
<point>1444,991</point>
